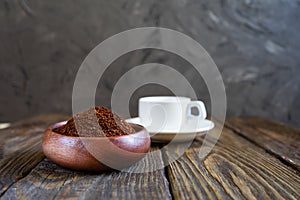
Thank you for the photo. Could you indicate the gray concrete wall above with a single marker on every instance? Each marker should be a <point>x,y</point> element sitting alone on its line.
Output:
<point>254,43</point>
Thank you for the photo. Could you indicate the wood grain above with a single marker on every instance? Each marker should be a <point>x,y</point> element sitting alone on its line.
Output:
<point>25,174</point>
<point>246,163</point>
<point>29,126</point>
<point>235,168</point>
<point>20,148</point>
<point>282,141</point>
<point>49,181</point>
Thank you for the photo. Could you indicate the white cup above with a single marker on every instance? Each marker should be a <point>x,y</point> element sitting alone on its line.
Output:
<point>158,113</point>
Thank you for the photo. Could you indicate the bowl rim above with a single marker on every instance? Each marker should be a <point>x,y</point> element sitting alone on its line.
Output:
<point>141,130</point>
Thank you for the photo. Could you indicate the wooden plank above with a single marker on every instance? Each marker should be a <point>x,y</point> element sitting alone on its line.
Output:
<point>29,126</point>
<point>18,164</point>
<point>20,148</point>
<point>276,138</point>
<point>49,181</point>
<point>21,152</point>
<point>45,119</point>
<point>235,168</point>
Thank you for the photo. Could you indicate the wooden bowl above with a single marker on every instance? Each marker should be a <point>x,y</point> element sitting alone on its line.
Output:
<point>95,153</point>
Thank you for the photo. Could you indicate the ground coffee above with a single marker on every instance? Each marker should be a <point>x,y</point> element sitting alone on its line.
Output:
<point>111,124</point>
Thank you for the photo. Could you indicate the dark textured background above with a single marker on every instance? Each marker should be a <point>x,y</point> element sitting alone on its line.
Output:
<point>254,43</point>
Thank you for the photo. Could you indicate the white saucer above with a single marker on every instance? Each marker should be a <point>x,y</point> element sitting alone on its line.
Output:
<point>186,133</point>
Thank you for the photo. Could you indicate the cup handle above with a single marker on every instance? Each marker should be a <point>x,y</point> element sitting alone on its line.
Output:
<point>201,109</point>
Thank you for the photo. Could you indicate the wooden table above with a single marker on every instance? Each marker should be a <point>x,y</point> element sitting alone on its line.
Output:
<point>253,159</point>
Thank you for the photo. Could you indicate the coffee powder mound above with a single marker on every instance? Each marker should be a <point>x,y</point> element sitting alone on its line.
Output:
<point>111,124</point>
